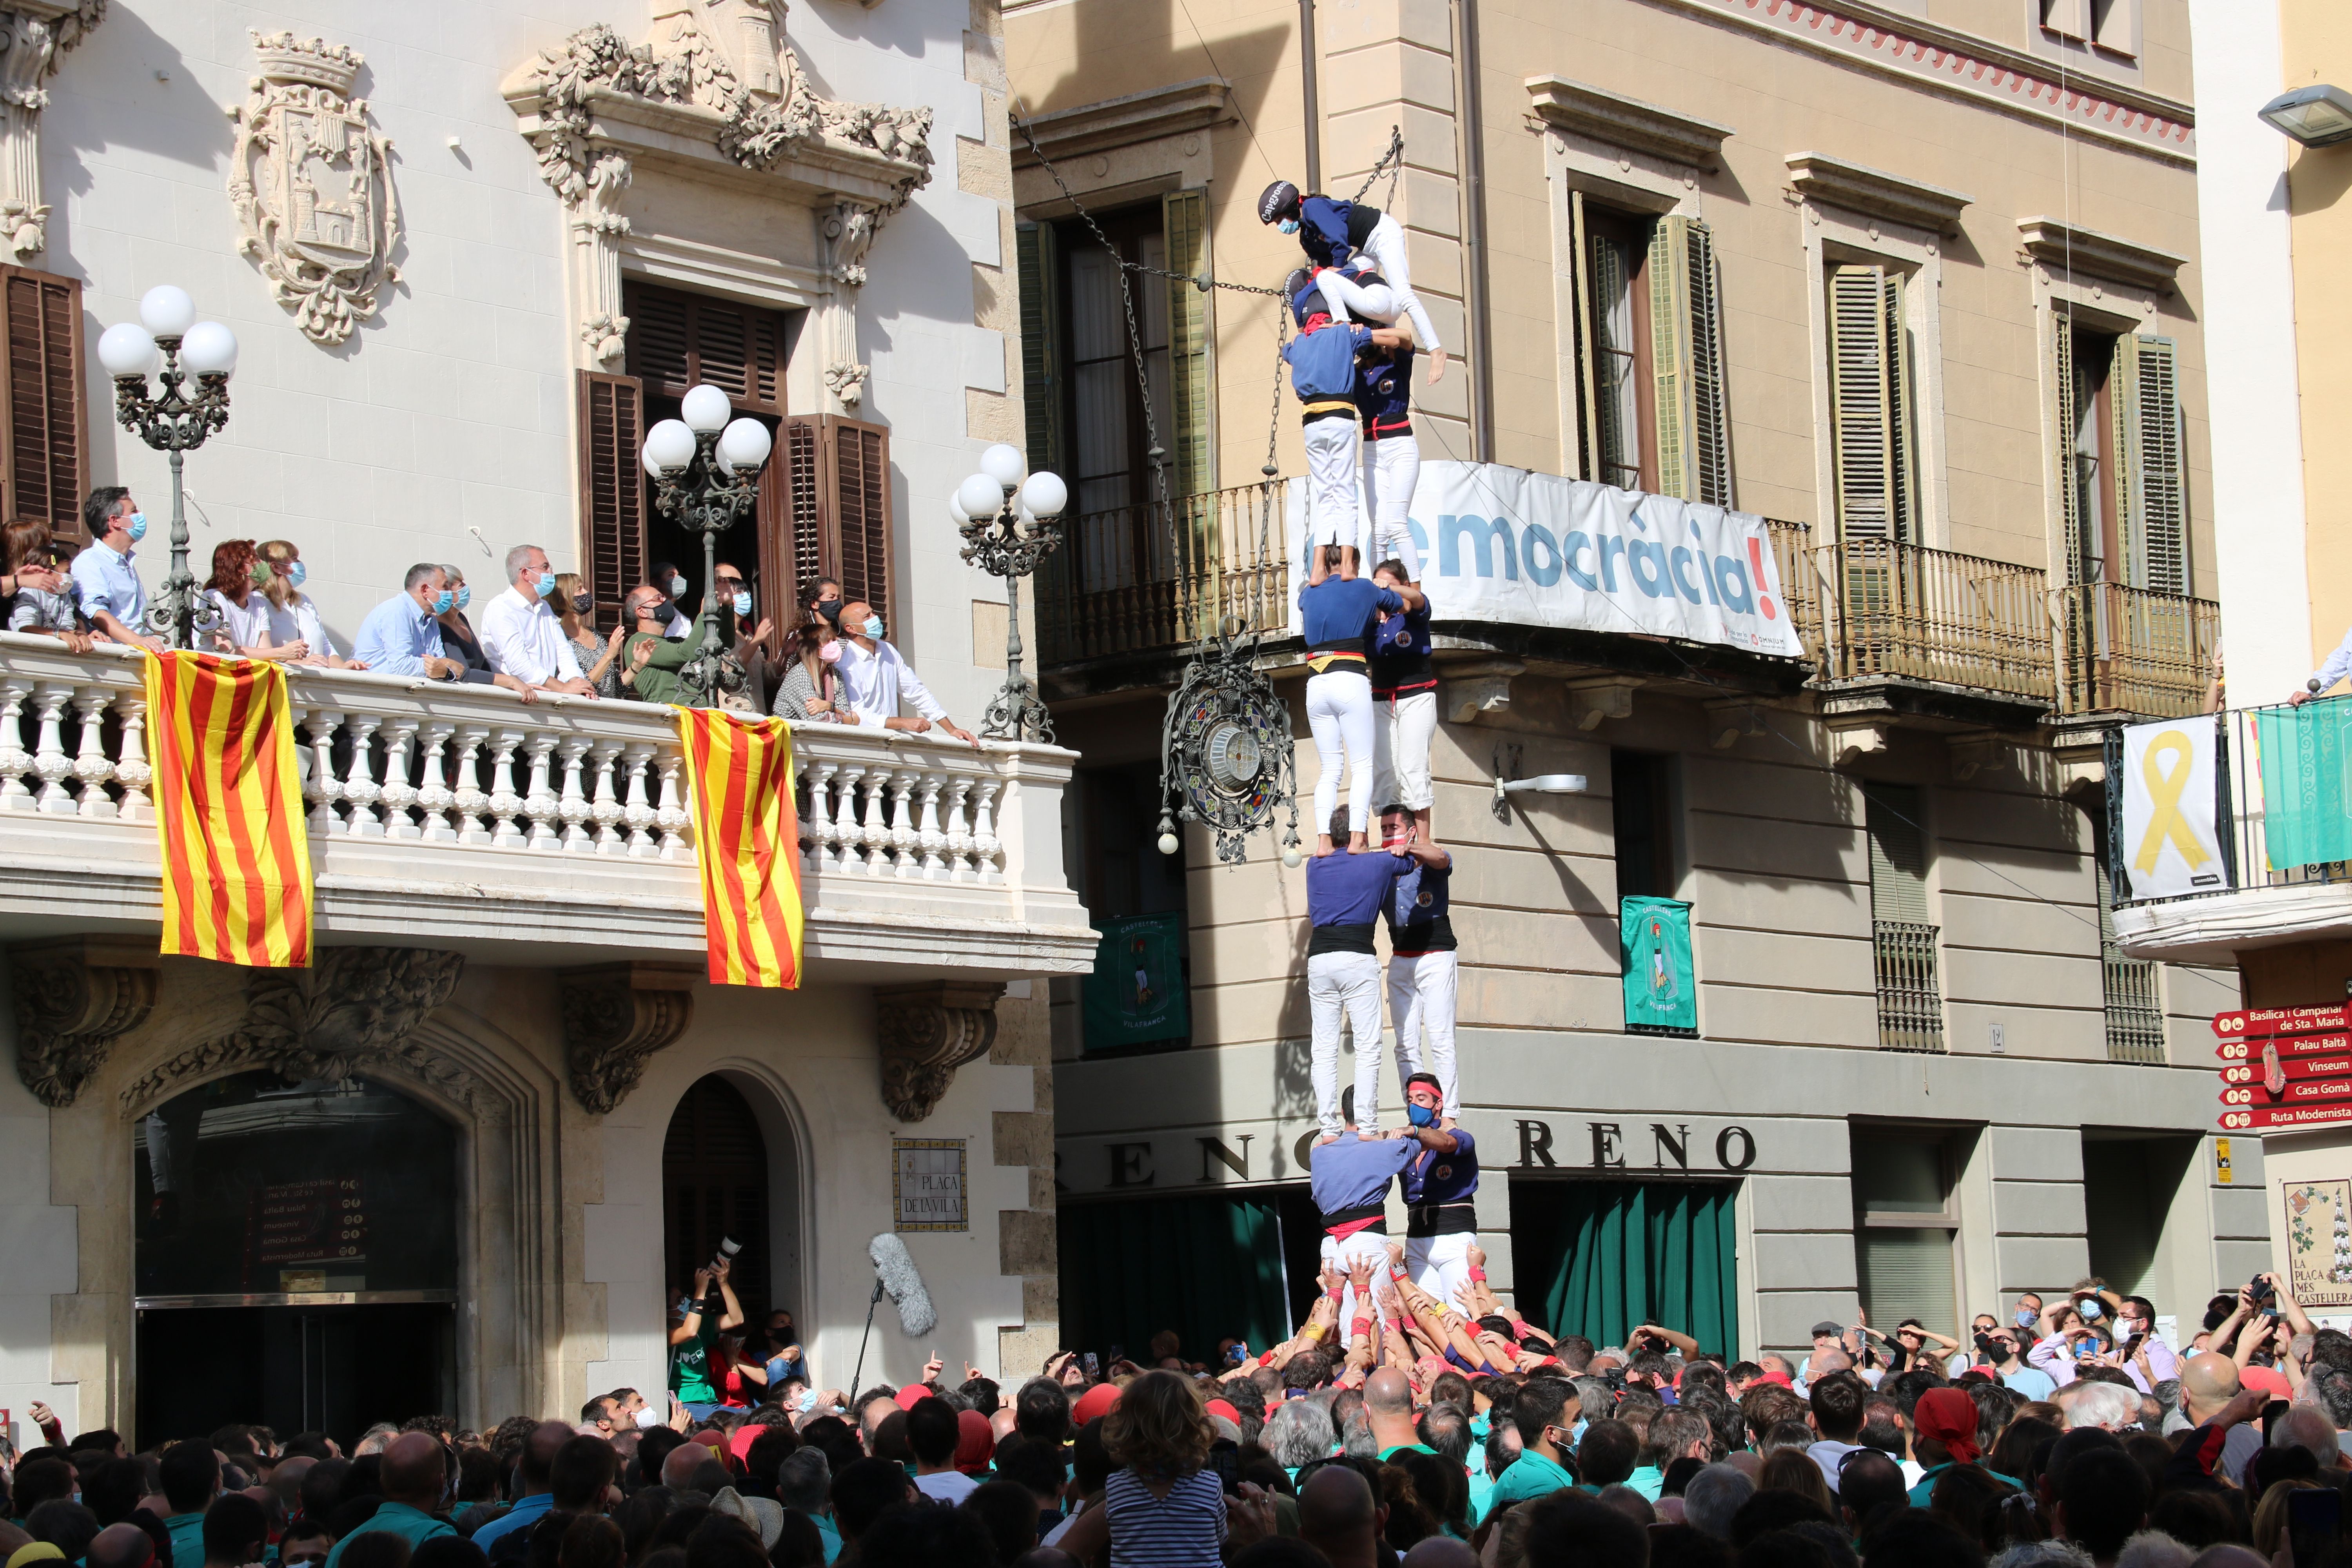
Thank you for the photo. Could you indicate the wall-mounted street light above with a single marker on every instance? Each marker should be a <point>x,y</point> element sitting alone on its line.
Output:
<point>195,358</point>
<point>1542,784</point>
<point>2317,116</point>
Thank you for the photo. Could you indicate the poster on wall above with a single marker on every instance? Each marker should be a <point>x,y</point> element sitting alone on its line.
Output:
<point>1501,544</point>
<point>1661,990</point>
<point>2320,1242</point>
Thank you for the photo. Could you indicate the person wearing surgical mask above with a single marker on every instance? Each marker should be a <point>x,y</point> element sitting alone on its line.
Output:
<point>292,617</point>
<point>522,636</point>
<point>105,576</point>
<point>575,608</point>
<point>457,637</point>
<point>735,606</point>
<point>809,692</point>
<point>824,598</point>
<point>1441,1188</point>
<point>877,677</point>
<point>402,636</point>
<point>674,587</point>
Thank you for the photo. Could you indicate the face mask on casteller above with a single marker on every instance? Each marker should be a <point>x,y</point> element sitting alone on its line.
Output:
<point>1420,1115</point>
<point>1288,226</point>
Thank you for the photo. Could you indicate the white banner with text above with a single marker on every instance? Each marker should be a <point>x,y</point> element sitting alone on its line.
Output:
<point>1505,545</point>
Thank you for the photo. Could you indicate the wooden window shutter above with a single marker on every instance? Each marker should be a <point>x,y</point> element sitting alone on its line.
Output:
<point>1041,342</point>
<point>838,473</point>
<point>861,487</point>
<point>2069,415</point>
<point>1898,853</point>
<point>44,472</point>
<point>1687,352</point>
<point>1588,446</point>
<point>2155,485</point>
<point>1192,372</point>
<point>1864,386</point>
<point>612,487</point>
<point>677,339</point>
<point>1902,456</point>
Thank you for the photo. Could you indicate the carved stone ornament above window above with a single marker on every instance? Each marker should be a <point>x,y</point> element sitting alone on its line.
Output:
<point>2066,248</point>
<point>1061,133</point>
<point>1611,118</point>
<point>74,999</point>
<point>713,93</point>
<point>33,37</point>
<point>927,1032</point>
<point>311,185</point>
<point>354,1011</point>
<point>615,1016</point>
<point>1874,193</point>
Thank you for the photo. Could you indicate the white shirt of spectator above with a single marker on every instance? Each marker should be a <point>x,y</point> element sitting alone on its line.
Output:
<point>245,625</point>
<point>521,638</point>
<point>875,682</point>
<point>298,622</point>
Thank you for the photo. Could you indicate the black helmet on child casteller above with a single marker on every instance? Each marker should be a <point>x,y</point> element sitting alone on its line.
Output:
<point>1279,201</point>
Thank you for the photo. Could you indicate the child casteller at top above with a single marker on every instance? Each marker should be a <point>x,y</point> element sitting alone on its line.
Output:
<point>1332,232</point>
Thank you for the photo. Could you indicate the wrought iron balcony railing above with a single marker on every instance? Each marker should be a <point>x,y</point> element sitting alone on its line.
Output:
<point>1141,578</point>
<point>2129,650</point>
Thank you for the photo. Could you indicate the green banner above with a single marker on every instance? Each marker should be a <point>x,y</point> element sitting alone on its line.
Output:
<point>1136,993</point>
<point>1654,940</point>
<point>2306,757</point>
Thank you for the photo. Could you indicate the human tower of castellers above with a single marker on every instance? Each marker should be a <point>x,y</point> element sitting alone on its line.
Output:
<point>1413,1414</point>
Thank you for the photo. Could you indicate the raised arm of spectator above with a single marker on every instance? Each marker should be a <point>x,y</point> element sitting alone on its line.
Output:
<point>734,1318</point>
<point>2289,1308</point>
<point>690,1326</point>
<point>1684,1343</point>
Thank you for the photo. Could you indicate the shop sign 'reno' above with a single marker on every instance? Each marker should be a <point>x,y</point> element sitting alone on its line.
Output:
<point>927,1181</point>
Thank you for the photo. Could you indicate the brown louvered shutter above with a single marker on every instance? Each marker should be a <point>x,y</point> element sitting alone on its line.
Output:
<point>861,487</point>
<point>611,488</point>
<point>797,543</point>
<point>676,339</point>
<point>837,476</point>
<point>44,471</point>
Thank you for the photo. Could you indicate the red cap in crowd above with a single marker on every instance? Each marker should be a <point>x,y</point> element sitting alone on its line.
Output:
<point>913,1395</point>
<point>1218,1407</point>
<point>1096,1403</point>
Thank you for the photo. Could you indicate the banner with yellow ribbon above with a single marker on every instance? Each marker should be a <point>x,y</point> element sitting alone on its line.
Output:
<point>739,777</point>
<point>228,811</point>
<point>2170,784</point>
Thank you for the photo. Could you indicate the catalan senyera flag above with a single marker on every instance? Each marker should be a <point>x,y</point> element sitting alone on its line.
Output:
<point>738,778</point>
<point>228,811</point>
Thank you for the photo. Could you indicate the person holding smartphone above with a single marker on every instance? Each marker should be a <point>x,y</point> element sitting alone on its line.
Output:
<point>697,1320</point>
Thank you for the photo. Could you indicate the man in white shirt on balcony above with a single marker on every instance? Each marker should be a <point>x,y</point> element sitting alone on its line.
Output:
<point>521,635</point>
<point>875,678</point>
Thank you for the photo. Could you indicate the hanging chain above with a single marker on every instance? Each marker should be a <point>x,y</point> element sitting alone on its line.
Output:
<point>1395,154</point>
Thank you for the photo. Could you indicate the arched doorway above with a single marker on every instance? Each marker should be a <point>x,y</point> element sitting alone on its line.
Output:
<point>296,1258</point>
<point>715,1186</point>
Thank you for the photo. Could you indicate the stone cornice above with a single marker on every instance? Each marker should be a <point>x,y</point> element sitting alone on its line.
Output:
<point>2069,247</point>
<point>1973,70</point>
<point>1194,105</point>
<point>1875,192</point>
<point>1620,122</point>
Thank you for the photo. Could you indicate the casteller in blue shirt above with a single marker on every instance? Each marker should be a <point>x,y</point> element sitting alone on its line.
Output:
<point>1338,613</point>
<point>1437,1177</point>
<point>1344,895</point>
<point>1352,1175</point>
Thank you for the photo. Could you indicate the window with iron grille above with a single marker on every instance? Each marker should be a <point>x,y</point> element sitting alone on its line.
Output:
<point>2133,1005</point>
<point>1904,941</point>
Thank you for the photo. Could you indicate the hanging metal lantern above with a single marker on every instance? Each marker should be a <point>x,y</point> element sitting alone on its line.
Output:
<point>1225,753</point>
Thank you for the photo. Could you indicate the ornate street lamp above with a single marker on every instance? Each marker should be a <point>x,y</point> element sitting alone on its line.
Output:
<point>178,420</point>
<point>1008,527</point>
<point>706,473</point>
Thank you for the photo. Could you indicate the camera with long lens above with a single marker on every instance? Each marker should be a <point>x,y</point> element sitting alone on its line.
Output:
<point>728,1247</point>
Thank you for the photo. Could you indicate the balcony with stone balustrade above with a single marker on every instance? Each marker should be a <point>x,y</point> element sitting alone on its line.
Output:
<point>551,832</point>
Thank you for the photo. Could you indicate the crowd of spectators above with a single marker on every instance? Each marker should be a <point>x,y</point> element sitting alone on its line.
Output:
<point>1439,1438</point>
<point>537,637</point>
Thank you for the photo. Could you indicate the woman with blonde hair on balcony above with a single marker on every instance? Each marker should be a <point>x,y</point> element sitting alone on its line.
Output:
<point>810,691</point>
<point>292,617</point>
<point>574,604</point>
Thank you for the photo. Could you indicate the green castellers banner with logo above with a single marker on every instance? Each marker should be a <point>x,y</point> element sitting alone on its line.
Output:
<point>1654,940</point>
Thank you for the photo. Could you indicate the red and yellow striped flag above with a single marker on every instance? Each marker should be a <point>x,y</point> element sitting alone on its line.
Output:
<point>228,811</point>
<point>747,841</point>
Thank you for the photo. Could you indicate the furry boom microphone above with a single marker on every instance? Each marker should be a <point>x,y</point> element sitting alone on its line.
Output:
<point>897,1274</point>
<point>894,1273</point>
